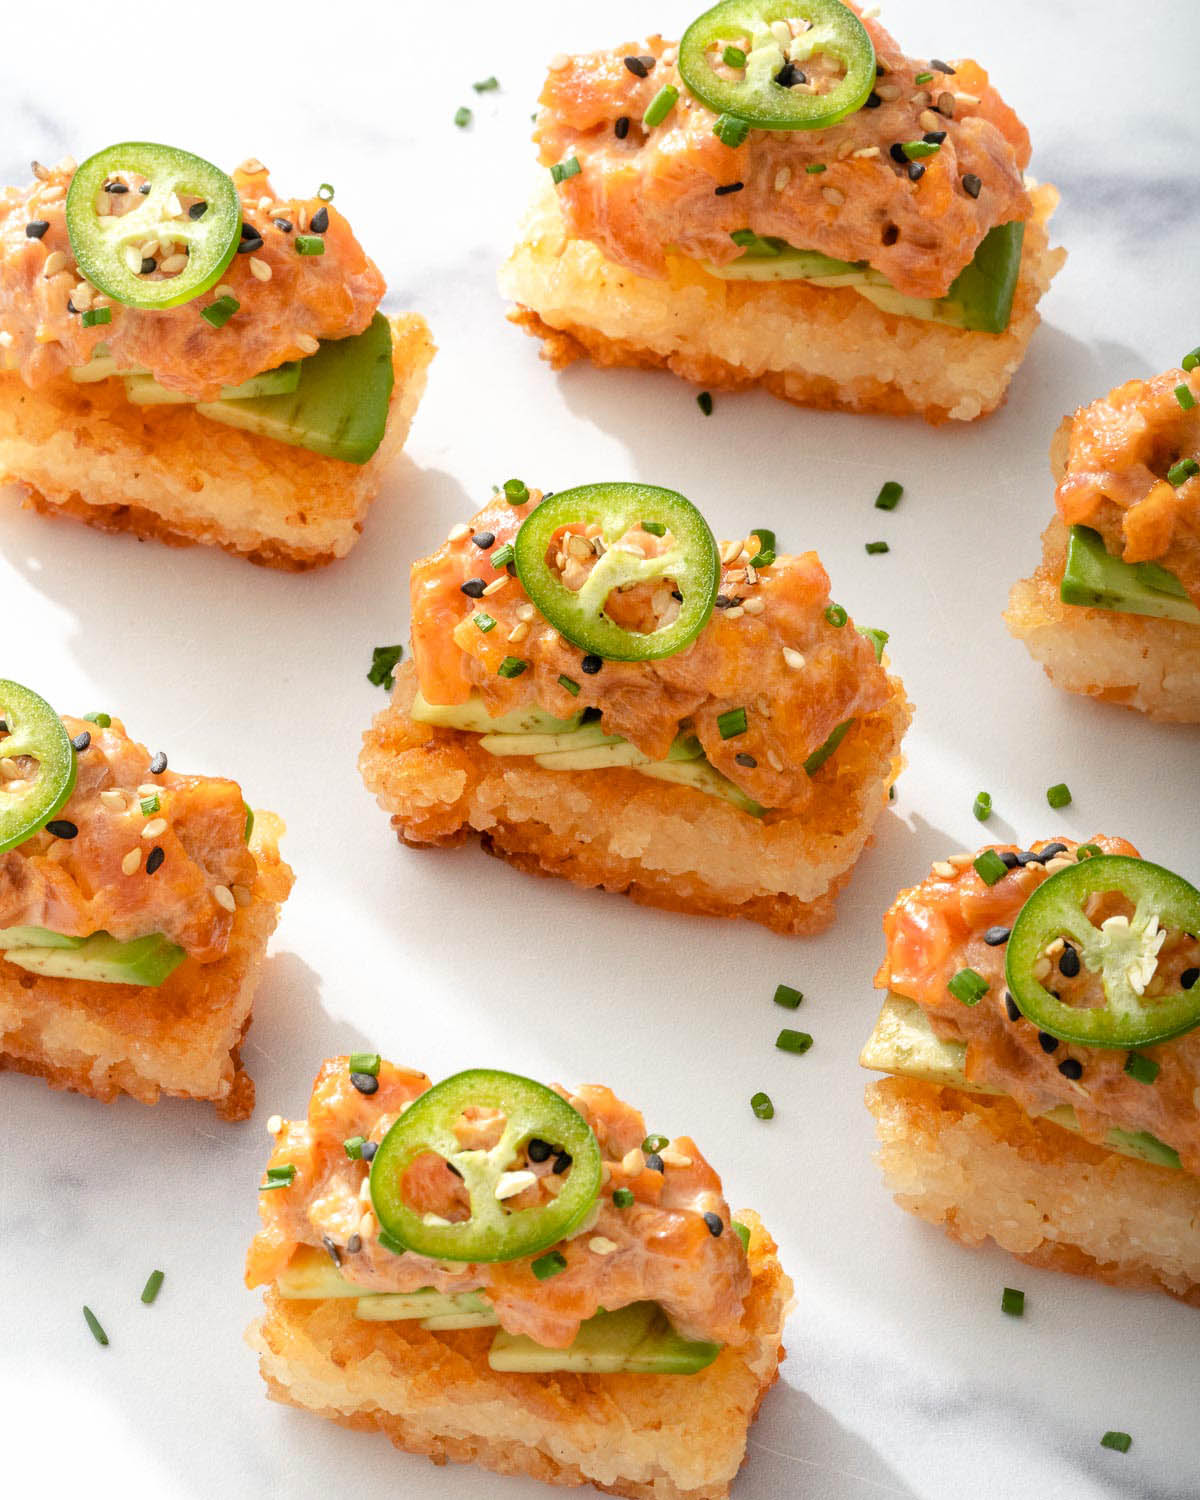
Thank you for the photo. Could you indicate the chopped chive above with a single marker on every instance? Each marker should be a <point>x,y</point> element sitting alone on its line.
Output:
<point>1121,1442</point>
<point>1012,1302</point>
<point>836,615</point>
<point>968,986</point>
<point>502,556</point>
<point>923,78</point>
<point>486,85</point>
<point>549,1265</point>
<point>463,117</point>
<point>765,555</point>
<point>983,806</point>
<point>278,1177</point>
<point>1183,394</point>
<point>733,57</point>
<point>1185,469</point>
<point>95,316</point>
<point>742,1233</point>
<point>218,313</point>
<point>732,723</point>
<point>816,166</point>
<point>1059,795</point>
<point>561,170</point>
<point>101,721</point>
<point>93,1322</point>
<point>1141,1069</point>
<point>990,867</point>
<point>889,495</point>
<point>655,528</point>
<point>483,622</point>
<point>793,1041</point>
<point>383,661</point>
<point>705,402</point>
<point>153,1282</point>
<point>365,1062</point>
<point>149,805</point>
<point>569,685</point>
<point>655,1143</point>
<point>822,753</point>
<point>353,1146</point>
<point>915,150</point>
<point>731,130</point>
<point>1087,851</point>
<point>661,105</point>
<point>622,1198</point>
<point>761,1104</point>
<point>874,547</point>
<point>1191,360</point>
<point>878,639</point>
<point>786,996</point>
<point>515,491</point>
<point>309,244</point>
<point>511,666</point>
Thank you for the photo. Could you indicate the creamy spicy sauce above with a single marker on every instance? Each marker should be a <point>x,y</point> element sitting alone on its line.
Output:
<point>1119,450</point>
<point>792,702</point>
<point>654,191</point>
<point>658,1249</point>
<point>938,927</point>
<point>77,885</point>
<point>304,297</point>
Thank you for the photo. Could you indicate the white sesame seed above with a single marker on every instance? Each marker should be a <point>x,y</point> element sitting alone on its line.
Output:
<point>970,100</point>
<point>154,827</point>
<point>782,33</point>
<point>945,104</point>
<point>264,204</point>
<point>274,1124</point>
<point>782,178</point>
<point>509,1184</point>
<point>600,1244</point>
<point>224,290</point>
<point>867,151</point>
<point>132,259</point>
<point>132,862</point>
<point>174,207</point>
<point>844,150</point>
<point>929,120</point>
<point>458,532</point>
<point>366,1225</point>
<point>364,1190</point>
<point>754,606</point>
<point>149,789</point>
<point>40,172</point>
<point>921,98</point>
<point>1041,969</point>
<point>81,297</point>
<point>668,56</point>
<point>943,868</point>
<point>774,761</point>
<point>306,342</point>
<point>113,799</point>
<point>56,261</point>
<point>888,91</point>
<point>252,167</point>
<point>833,196</point>
<point>729,551</point>
<point>518,632</point>
<point>961,861</point>
<point>794,658</point>
<point>259,269</point>
<point>496,585</point>
<point>173,263</point>
<point>735,612</point>
<point>1057,863</point>
<point>525,611</point>
<point>223,896</point>
<point>633,1162</point>
<point>673,1158</point>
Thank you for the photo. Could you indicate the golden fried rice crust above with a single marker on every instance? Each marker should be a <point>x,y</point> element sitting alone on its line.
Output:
<point>181,1038</point>
<point>170,475</point>
<point>816,346</point>
<point>662,844</point>
<point>983,1169</point>
<point>649,1437</point>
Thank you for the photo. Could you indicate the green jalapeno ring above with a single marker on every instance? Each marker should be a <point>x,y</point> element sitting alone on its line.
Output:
<point>100,249</point>
<point>757,98</point>
<point>1055,909</point>
<point>693,561</point>
<point>492,1233</point>
<point>34,729</point>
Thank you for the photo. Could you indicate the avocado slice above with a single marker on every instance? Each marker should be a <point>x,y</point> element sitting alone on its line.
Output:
<point>637,1339</point>
<point>437,1311</point>
<point>604,752</point>
<point>310,1274</point>
<point>144,390</point>
<point>474,718</point>
<point>340,407</point>
<point>903,1043</point>
<point>101,366</point>
<point>1093,577</point>
<point>702,776</point>
<point>587,738</point>
<point>101,959</point>
<point>36,937</point>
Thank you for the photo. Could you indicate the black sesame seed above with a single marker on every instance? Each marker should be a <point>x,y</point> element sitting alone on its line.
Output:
<point>159,764</point>
<point>249,246</point>
<point>561,1162</point>
<point>319,222</point>
<point>872,101</point>
<point>1071,1067</point>
<point>972,185</point>
<point>354,1244</point>
<point>484,539</point>
<point>335,1255</point>
<point>369,1149</point>
<point>453,1170</point>
<point>995,936</point>
<point>746,760</point>
<point>365,1083</point>
<point>473,588</point>
<point>284,224</point>
<point>896,152</point>
<point>539,1150</point>
<point>82,741</point>
<point>591,664</point>
<point>116,187</point>
<point>727,601</point>
<point>640,66</point>
<point>677,596</point>
<point>71,308</point>
<point>790,74</point>
<point>1028,857</point>
<point>62,828</point>
<point>916,171</point>
<point>934,137</point>
<point>144,189</point>
<point>3,726</point>
<point>1189,977</point>
<point>714,1225</point>
<point>1047,1042</point>
<point>36,228</point>
<point>940,67</point>
<point>1010,1005</point>
<point>728,187</point>
<point>1068,962</point>
<point>149,265</point>
<point>154,859</point>
<point>621,127</point>
<point>655,1162</point>
<point>1009,860</point>
<point>198,210</point>
<point>1050,851</point>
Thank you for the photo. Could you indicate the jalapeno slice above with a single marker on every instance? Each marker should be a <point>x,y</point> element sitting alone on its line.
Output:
<point>494,1231</point>
<point>689,560</point>
<point>108,247</point>
<point>36,739</point>
<point>1122,950</point>
<point>753,93</point>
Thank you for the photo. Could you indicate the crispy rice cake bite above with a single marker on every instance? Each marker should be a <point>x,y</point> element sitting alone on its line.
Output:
<point>1039,1033</point>
<point>850,228</point>
<point>239,388</point>
<point>1113,610</point>
<point>135,907</point>
<point>612,1323</point>
<point>597,691</point>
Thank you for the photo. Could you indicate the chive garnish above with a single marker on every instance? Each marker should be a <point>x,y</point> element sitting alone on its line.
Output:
<point>463,117</point>
<point>793,1041</point>
<point>383,662</point>
<point>878,639</point>
<point>836,615</point>
<point>983,806</point>
<point>1087,851</point>
<point>733,57</point>
<point>515,492</point>
<point>661,105</point>
<point>815,166</point>
<point>309,244</point>
<point>969,986</point>
<point>502,556</point>
<point>873,547</point>
<point>153,1282</point>
<point>915,150</point>
<point>569,685</point>
<point>1012,1302</point>
<point>923,78</point>
<point>655,1143</point>
<point>622,1198</point>
<point>278,1177</point>
<point>1183,394</point>
<point>1191,359</point>
<point>705,402</point>
<point>353,1146</point>
<point>765,555</point>
<point>732,723</point>
<point>786,996</point>
<point>1140,1068</point>
<point>365,1062</point>
<point>486,85</point>
<point>822,753</point>
<point>561,170</point>
<point>742,1233</point>
<point>761,1104</point>
<point>889,495</point>
<point>511,666</point>
<point>549,1265</point>
<point>990,867</point>
<point>93,1322</point>
<point>655,528</point>
<point>484,622</point>
<point>95,316</point>
<point>101,721</point>
<point>1121,1442</point>
<point>218,313</point>
<point>1185,469</point>
<point>1058,795</point>
<point>731,130</point>
<point>149,805</point>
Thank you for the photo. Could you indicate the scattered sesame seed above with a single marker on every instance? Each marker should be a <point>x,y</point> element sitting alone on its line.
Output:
<point>591,664</point>
<point>995,937</point>
<point>56,261</point>
<point>259,269</point>
<point>223,896</point>
<point>715,1226</point>
<point>307,343</point>
<point>114,799</point>
<point>319,222</point>
<point>600,1244</point>
<point>1047,1042</point>
<point>154,859</point>
<point>793,658</point>
<point>154,827</point>
<point>672,1158</point>
<point>495,586</point>
<point>944,869</point>
<point>1071,1068</point>
<point>1010,1005</point>
<point>621,127</point>
<point>62,828</point>
<point>728,187</point>
<point>864,151</point>
<point>972,185</point>
<point>365,1083</point>
<point>833,196</point>
<point>81,741</point>
<point>782,178</point>
<point>458,532</point>
<point>132,862</point>
<point>159,764</point>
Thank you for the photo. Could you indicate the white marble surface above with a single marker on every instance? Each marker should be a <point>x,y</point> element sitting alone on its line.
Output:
<point>903,1378</point>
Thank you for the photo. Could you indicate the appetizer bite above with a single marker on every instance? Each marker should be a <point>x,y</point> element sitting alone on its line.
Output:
<point>1113,611</point>
<point>600,692</point>
<point>785,199</point>
<point>190,357</point>
<point>1040,1033</point>
<point>495,1272</point>
<point>135,908</point>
